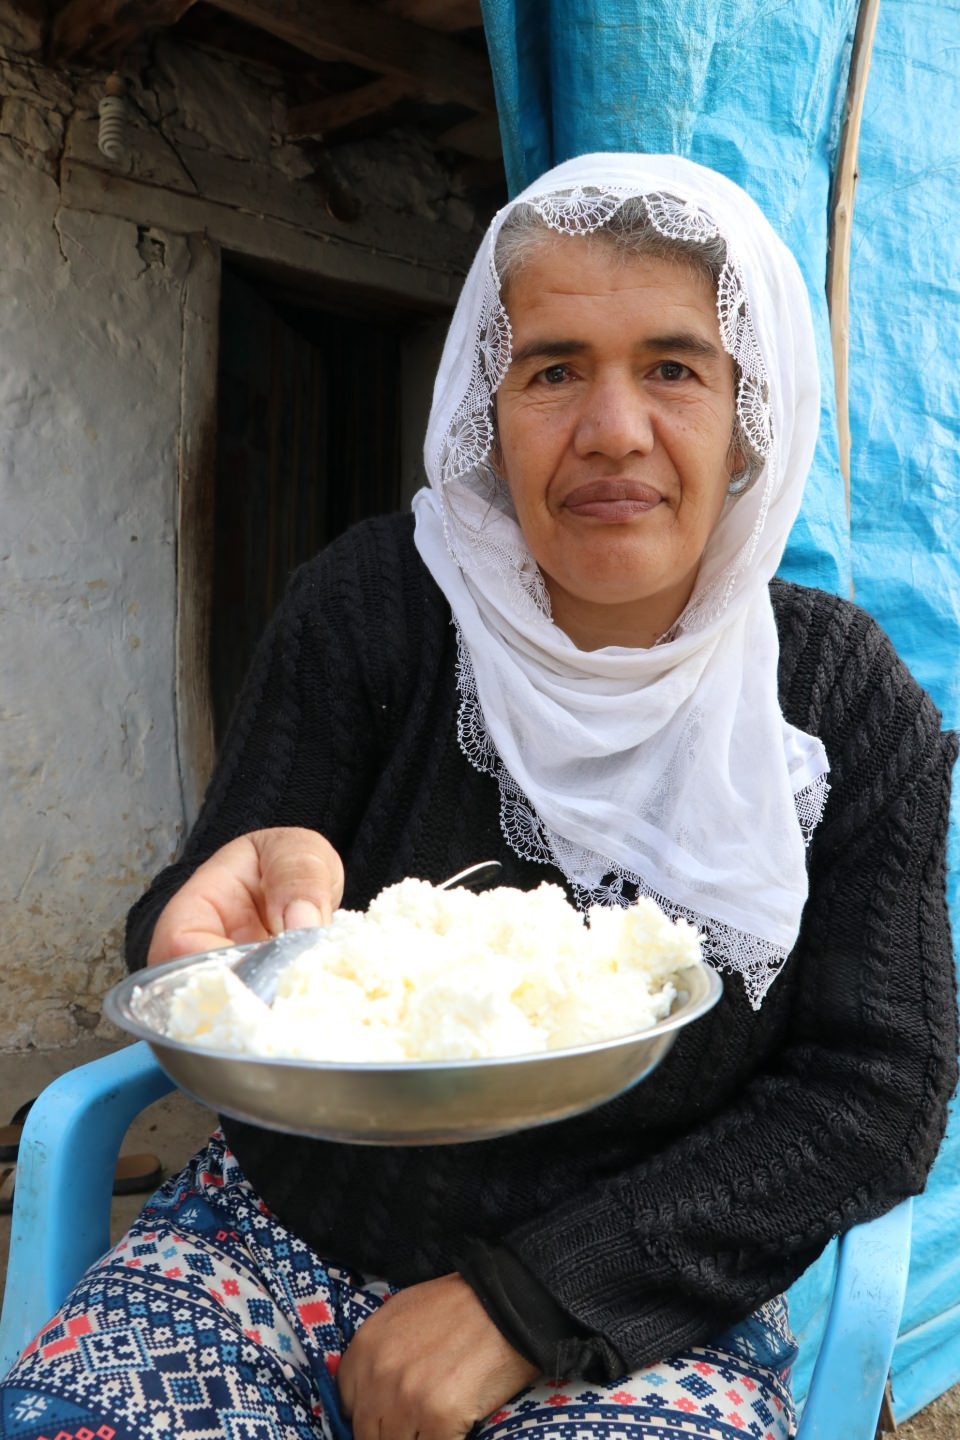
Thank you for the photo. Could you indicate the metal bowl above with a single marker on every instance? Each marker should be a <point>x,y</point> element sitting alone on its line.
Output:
<point>402,1102</point>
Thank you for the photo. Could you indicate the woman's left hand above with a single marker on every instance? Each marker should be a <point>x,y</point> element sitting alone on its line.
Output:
<point>429,1363</point>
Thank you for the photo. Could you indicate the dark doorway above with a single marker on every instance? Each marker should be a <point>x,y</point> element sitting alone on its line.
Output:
<point>309,441</point>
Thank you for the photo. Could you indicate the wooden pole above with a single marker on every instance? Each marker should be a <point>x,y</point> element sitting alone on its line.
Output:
<point>841,226</point>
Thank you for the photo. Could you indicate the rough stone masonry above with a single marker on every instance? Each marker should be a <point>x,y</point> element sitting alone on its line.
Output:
<point>94,264</point>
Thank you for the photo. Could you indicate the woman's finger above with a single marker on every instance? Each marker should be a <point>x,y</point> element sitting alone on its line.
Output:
<point>301,875</point>
<point>220,904</point>
<point>251,888</point>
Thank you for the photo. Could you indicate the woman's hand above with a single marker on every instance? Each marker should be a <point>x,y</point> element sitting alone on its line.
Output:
<point>429,1363</point>
<point>255,887</point>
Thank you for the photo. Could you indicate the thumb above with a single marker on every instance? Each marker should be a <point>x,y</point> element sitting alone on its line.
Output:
<point>301,876</point>
<point>302,915</point>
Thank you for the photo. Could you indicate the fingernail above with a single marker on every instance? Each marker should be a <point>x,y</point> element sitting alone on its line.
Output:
<point>301,915</point>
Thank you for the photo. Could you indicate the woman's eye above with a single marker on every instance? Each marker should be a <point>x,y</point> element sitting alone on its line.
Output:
<point>554,374</point>
<point>672,370</point>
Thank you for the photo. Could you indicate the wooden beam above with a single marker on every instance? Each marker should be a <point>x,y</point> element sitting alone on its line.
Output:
<point>354,31</point>
<point>478,136</point>
<point>96,29</point>
<point>414,284</point>
<point>333,112</point>
<point>841,227</point>
<point>438,14</point>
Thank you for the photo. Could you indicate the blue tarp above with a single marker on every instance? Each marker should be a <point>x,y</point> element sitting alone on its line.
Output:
<point>757,90</point>
<point>905,498</point>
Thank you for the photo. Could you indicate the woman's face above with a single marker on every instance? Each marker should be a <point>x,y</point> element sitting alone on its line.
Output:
<point>614,422</point>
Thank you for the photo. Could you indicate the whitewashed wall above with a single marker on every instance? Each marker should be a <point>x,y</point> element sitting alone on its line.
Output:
<point>91,327</point>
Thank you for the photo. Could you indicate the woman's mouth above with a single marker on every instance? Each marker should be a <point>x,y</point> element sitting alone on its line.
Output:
<point>613,501</point>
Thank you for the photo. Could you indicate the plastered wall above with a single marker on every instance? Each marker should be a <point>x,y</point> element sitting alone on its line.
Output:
<point>91,329</point>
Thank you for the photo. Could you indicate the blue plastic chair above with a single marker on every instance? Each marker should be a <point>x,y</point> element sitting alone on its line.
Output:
<point>61,1220</point>
<point>61,1205</point>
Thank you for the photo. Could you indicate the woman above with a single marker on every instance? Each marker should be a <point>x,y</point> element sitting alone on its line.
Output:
<point>625,703</point>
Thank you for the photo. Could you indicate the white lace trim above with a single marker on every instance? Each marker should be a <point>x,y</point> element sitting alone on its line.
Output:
<point>466,445</point>
<point>468,438</point>
<point>758,962</point>
<point>810,802</point>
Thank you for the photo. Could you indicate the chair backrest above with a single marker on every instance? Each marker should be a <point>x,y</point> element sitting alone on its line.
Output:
<point>61,1209</point>
<point>61,1220</point>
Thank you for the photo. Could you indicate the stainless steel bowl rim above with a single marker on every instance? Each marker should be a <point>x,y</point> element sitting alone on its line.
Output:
<point>118,1001</point>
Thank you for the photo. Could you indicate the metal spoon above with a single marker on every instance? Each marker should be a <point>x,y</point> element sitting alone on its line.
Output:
<point>260,970</point>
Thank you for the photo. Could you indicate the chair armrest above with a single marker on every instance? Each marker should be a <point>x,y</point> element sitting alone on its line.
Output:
<point>846,1390</point>
<point>61,1209</point>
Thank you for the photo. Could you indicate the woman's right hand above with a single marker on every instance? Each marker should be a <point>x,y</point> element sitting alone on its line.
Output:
<point>254,887</point>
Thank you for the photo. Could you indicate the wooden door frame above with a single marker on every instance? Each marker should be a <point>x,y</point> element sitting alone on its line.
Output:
<point>196,482</point>
<point>196,496</point>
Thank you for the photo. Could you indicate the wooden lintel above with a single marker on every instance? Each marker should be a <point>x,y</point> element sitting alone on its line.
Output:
<point>333,112</point>
<point>284,242</point>
<point>221,196</point>
<point>434,66</point>
<point>99,29</point>
<point>478,136</point>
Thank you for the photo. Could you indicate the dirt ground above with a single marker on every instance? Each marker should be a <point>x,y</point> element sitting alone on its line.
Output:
<point>176,1126</point>
<point>939,1421</point>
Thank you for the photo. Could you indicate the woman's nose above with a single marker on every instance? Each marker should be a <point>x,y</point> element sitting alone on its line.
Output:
<point>615,419</point>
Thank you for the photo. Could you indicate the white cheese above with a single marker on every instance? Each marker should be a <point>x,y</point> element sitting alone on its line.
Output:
<point>430,974</point>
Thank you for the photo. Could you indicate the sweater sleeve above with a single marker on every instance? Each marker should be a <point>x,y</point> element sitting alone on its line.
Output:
<point>303,743</point>
<point>843,1121</point>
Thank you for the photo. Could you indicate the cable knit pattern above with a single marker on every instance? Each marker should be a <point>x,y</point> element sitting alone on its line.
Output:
<point>657,1220</point>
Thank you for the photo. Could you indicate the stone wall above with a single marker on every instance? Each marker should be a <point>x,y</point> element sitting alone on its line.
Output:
<point>95,270</point>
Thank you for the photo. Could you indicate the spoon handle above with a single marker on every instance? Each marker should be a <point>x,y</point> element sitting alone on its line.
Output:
<point>473,877</point>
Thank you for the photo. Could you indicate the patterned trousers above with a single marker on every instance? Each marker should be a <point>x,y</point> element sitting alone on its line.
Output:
<point>210,1321</point>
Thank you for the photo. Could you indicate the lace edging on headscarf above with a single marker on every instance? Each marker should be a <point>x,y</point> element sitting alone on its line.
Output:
<point>758,963</point>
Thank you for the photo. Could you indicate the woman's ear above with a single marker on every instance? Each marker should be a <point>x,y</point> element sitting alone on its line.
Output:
<point>739,467</point>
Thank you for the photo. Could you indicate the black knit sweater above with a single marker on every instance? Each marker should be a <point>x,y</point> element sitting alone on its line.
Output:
<point>610,1240</point>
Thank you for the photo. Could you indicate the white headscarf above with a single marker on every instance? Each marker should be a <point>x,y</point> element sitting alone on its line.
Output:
<point>668,769</point>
